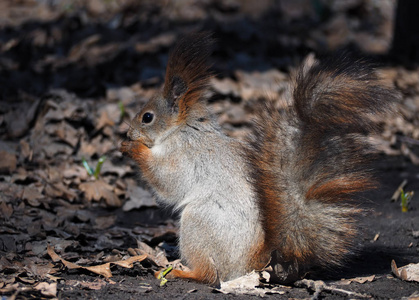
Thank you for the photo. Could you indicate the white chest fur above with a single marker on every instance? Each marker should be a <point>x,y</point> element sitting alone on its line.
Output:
<point>158,150</point>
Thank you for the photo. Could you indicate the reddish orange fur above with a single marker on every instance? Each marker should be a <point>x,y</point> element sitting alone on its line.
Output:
<point>190,275</point>
<point>187,73</point>
<point>260,256</point>
<point>137,151</point>
<point>337,189</point>
<point>271,212</point>
<point>204,272</point>
<point>142,156</point>
<point>271,206</point>
<point>190,99</point>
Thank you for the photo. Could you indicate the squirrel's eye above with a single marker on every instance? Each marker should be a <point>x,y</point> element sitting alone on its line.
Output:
<point>147,117</point>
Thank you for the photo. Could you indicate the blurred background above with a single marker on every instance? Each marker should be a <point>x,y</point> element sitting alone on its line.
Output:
<point>86,45</point>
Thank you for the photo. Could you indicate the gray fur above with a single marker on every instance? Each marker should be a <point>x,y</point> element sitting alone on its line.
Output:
<point>209,186</point>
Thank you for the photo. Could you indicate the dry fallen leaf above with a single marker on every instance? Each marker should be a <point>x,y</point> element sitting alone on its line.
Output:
<point>9,288</point>
<point>129,262</point>
<point>8,162</point>
<point>100,270</point>
<point>103,269</point>
<point>74,171</point>
<point>98,189</point>
<point>156,255</point>
<point>6,210</point>
<point>225,86</point>
<point>25,150</point>
<point>104,120</point>
<point>39,270</point>
<point>248,284</point>
<point>63,132</point>
<point>59,190</point>
<point>105,221</point>
<point>47,289</point>
<point>253,85</point>
<point>26,279</point>
<point>357,280</point>
<point>32,195</point>
<point>409,272</point>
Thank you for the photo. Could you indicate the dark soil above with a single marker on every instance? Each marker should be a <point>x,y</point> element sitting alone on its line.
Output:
<point>72,75</point>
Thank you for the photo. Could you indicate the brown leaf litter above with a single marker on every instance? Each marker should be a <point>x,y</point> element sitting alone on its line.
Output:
<point>104,269</point>
<point>409,272</point>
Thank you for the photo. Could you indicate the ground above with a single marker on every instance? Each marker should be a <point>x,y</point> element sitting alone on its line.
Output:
<point>73,74</point>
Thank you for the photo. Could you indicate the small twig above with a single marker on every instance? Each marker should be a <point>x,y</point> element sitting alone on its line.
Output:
<point>319,286</point>
<point>396,194</point>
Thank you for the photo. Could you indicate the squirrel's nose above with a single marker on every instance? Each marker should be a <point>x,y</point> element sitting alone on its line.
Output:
<point>133,134</point>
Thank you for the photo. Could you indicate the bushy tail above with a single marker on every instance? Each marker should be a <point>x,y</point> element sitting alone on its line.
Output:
<point>309,161</point>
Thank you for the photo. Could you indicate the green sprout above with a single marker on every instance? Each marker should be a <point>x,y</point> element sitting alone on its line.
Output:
<point>405,197</point>
<point>121,109</point>
<point>163,273</point>
<point>94,172</point>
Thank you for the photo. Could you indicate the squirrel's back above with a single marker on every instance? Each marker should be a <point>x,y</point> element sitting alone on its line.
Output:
<point>309,161</point>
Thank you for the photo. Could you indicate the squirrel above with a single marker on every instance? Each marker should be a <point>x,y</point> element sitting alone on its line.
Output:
<point>285,196</point>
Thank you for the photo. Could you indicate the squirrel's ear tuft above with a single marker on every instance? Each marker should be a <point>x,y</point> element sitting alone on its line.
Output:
<point>187,74</point>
